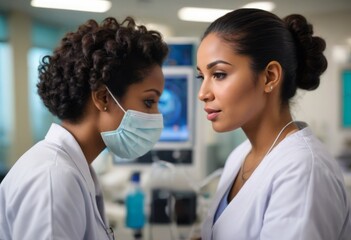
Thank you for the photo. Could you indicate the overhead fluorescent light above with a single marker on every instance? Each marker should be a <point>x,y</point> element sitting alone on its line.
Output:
<point>163,29</point>
<point>75,5</point>
<point>267,6</point>
<point>201,14</point>
<point>210,14</point>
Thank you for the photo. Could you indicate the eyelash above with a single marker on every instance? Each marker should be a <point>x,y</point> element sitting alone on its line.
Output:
<point>149,102</point>
<point>216,75</point>
<point>200,77</point>
<point>219,75</point>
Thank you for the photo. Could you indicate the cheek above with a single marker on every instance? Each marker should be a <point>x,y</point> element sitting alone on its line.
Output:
<point>110,120</point>
<point>241,105</point>
<point>238,94</point>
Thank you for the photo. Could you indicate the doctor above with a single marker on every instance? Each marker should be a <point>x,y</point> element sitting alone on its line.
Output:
<point>281,183</point>
<point>103,82</point>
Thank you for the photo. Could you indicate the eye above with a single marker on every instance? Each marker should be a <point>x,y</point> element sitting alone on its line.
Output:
<point>200,77</point>
<point>219,75</point>
<point>149,103</point>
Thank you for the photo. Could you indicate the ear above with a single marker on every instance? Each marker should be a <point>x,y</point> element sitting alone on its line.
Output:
<point>100,98</point>
<point>273,74</point>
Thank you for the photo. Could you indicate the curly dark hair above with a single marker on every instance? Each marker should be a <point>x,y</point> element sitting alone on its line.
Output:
<point>264,37</point>
<point>112,53</point>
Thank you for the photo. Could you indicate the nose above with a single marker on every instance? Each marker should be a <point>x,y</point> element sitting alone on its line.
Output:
<point>205,94</point>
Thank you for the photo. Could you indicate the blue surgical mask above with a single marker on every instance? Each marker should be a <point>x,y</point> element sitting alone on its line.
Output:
<point>137,133</point>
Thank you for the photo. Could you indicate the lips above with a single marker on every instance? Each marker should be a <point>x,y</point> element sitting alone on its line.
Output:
<point>212,113</point>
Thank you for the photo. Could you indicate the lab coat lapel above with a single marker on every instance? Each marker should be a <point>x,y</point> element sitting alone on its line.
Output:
<point>60,136</point>
<point>208,223</point>
<point>227,180</point>
<point>98,197</point>
<point>236,209</point>
<point>230,220</point>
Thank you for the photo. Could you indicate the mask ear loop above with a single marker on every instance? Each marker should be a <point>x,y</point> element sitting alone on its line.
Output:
<point>119,105</point>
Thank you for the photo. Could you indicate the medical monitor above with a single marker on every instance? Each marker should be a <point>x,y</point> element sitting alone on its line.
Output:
<point>177,107</point>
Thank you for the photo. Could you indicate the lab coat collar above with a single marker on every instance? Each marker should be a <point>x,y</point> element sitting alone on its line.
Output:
<point>65,140</point>
<point>248,189</point>
<point>209,225</point>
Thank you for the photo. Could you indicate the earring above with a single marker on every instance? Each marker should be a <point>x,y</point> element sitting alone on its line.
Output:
<point>105,108</point>
<point>270,89</point>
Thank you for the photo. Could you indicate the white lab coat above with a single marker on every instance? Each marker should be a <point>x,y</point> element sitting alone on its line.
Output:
<point>52,193</point>
<point>296,193</point>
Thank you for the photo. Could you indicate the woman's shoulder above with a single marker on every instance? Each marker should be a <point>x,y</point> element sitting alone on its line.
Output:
<point>303,153</point>
<point>38,166</point>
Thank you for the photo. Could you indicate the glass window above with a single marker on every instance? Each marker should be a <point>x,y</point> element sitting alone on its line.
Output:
<point>5,103</point>
<point>44,38</point>
<point>3,28</point>
<point>5,95</point>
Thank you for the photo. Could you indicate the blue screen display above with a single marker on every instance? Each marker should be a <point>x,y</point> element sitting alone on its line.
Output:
<point>180,55</point>
<point>173,105</point>
<point>346,88</point>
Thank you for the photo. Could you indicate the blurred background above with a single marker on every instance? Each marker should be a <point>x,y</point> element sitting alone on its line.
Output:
<point>189,150</point>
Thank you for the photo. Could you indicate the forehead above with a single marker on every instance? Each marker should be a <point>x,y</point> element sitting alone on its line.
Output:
<point>213,48</point>
<point>213,44</point>
<point>153,79</point>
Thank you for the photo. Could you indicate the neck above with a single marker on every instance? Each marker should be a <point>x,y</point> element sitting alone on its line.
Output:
<point>86,136</point>
<point>278,136</point>
<point>253,161</point>
<point>263,132</point>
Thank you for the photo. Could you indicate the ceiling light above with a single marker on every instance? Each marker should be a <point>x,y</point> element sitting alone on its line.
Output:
<point>76,5</point>
<point>201,14</point>
<point>163,29</point>
<point>267,6</point>
<point>210,14</point>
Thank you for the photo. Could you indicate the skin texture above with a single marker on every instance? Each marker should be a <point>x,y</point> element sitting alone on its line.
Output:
<point>235,97</point>
<point>142,96</point>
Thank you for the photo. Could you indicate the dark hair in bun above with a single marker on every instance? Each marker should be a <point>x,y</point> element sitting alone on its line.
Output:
<point>264,37</point>
<point>311,61</point>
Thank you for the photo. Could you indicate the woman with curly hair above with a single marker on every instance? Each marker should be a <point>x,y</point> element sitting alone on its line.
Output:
<point>103,82</point>
<point>281,183</point>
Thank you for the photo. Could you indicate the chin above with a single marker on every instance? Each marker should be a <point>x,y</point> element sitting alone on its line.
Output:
<point>220,128</point>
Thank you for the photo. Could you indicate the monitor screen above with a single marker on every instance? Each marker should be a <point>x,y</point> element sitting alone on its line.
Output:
<point>173,106</point>
<point>180,54</point>
<point>346,98</point>
<point>176,107</point>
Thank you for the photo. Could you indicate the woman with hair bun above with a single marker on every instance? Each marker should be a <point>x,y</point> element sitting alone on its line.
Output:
<point>103,82</point>
<point>281,183</point>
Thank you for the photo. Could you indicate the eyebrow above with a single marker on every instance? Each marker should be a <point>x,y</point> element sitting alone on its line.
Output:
<point>212,64</point>
<point>158,93</point>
